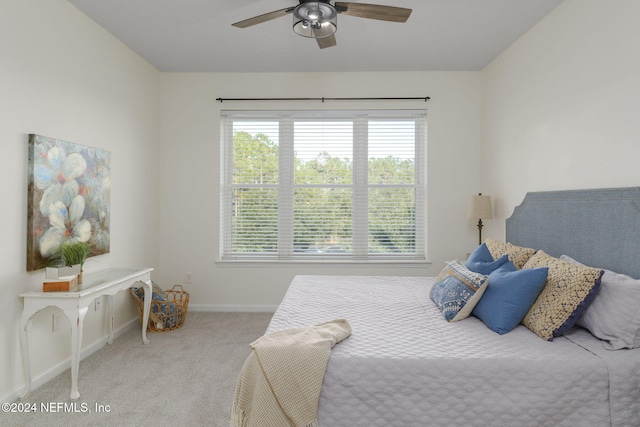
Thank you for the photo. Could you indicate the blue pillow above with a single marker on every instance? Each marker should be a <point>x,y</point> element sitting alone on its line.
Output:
<point>481,261</point>
<point>509,296</point>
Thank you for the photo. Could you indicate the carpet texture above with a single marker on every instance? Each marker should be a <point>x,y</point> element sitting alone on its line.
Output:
<point>184,377</point>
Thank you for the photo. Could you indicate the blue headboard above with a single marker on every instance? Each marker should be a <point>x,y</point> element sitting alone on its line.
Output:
<point>599,227</point>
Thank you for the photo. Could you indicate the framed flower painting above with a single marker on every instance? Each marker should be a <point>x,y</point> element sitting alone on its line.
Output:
<point>69,198</point>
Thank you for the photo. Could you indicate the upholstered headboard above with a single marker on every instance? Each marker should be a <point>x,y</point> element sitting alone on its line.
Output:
<point>599,227</point>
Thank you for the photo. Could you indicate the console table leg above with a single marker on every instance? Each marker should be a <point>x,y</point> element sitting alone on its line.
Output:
<point>147,308</point>
<point>76,319</point>
<point>111,316</point>
<point>25,324</point>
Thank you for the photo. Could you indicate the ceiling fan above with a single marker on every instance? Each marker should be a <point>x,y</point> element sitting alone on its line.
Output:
<point>318,18</point>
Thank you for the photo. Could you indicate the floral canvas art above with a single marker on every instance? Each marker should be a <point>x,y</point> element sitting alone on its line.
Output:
<point>69,198</point>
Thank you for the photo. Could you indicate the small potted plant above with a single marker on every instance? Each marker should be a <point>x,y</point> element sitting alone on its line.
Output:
<point>69,254</point>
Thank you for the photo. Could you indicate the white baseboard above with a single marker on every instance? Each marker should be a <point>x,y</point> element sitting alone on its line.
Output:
<point>233,308</point>
<point>60,368</point>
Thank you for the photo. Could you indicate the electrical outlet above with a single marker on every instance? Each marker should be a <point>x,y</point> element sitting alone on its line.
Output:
<point>97,304</point>
<point>55,322</point>
<point>187,279</point>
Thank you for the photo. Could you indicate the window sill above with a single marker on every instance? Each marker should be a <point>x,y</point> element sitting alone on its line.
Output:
<point>408,263</point>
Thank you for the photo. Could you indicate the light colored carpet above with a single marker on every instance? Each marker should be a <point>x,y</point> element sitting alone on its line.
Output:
<point>184,377</point>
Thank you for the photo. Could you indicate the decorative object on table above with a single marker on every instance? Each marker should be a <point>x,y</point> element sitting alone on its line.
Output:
<point>71,254</point>
<point>61,284</point>
<point>68,198</point>
<point>60,272</point>
<point>168,308</point>
<point>479,208</point>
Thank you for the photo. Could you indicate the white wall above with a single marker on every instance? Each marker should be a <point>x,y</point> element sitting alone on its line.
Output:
<point>562,105</point>
<point>190,171</point>
<point>63,76</point>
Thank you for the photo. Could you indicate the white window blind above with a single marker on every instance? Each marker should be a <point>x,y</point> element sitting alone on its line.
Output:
<point>323,185</point>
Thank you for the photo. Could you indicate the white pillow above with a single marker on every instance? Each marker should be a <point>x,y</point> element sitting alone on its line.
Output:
<point>614,314</point>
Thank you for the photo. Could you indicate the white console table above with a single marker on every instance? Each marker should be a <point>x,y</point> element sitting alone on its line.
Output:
<point>75,306</point>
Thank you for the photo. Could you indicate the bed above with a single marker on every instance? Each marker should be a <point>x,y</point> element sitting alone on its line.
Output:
<point>405,365</point>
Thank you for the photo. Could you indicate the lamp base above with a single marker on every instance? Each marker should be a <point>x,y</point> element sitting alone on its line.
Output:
<point>480,225</point>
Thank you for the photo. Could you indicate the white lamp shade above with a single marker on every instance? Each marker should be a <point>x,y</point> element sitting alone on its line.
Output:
<point>479,207</point>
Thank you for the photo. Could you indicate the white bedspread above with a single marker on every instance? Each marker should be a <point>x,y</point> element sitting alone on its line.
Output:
<point>404,365</point>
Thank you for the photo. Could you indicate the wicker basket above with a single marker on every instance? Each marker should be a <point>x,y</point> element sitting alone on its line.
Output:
<point>164,315</point>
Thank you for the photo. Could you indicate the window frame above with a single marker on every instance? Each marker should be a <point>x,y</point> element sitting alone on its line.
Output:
<point>285,253</point>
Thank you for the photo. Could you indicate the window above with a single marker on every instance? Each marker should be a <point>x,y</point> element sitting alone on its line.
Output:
<point>340,185</point>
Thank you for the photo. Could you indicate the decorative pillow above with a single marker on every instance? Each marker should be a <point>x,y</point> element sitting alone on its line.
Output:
<point>614,315</point>
<point>457,291</point>
<point>157,293</point>
<point>481,261</point>
<point>570,288</point>
<point>509,296</point>
<point>518,255</point>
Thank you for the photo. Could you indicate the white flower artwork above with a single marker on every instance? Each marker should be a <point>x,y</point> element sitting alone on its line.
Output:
<point>69,197</point>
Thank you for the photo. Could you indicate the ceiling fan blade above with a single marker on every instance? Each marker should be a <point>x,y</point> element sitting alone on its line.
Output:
<point>263,18</point>
<point>328,41</point>
<point>374,11</point>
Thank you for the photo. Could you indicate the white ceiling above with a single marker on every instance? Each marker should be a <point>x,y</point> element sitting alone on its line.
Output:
<point>197,36</point>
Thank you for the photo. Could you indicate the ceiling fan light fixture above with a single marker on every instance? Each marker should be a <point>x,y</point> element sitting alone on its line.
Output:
<point>315,19</point>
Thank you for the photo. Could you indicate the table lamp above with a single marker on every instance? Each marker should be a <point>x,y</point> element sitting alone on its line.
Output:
<point>479,208</point>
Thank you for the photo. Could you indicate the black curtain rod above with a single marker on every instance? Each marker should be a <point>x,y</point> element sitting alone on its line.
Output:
<point>424,98</point>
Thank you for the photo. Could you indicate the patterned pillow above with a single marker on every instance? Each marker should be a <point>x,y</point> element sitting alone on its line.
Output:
<point>570,288</point>
<point>518,255</point>
<point>457,291</point>
<point>481,261</point>
<point>157,293</point>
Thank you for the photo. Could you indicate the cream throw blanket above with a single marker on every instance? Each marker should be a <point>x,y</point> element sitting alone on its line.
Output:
<point>281,380</point>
